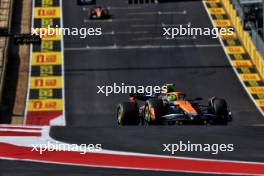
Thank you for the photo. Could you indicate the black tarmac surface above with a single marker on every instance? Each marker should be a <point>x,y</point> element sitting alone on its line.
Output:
<point>138,54</point>
<point>133,51</point>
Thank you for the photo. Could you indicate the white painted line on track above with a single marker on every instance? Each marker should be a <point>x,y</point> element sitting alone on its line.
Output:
<point>62,120</point>
<point>30,63</point>
<point>20,130</point>
<point>24,145</point>
<point>7,126</point>
<point>109,33</point>
<point>113,20</point>
<point>158,25</point>
<point>164,38</point>
<point>158,13</point>
<point>114,8</point>
<point>124,32</point>
<point>115,47</point>
<point>170,25</point>
<point>257,125</point>
<point>123,8</point>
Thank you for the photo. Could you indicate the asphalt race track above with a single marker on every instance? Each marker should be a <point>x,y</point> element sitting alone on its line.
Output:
<point>54,170</point>
<point>133,51</point>
<point>242,138</point>
<point>198,66</point>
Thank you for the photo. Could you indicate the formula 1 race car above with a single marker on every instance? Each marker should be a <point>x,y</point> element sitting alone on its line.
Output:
<point>171,108</point>
<point>99,13</point>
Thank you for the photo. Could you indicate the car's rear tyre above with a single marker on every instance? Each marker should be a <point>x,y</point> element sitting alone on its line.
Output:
<point>154,108</point>
<point>128,114</point>
<point>105,13</point>
<point>218,107</point>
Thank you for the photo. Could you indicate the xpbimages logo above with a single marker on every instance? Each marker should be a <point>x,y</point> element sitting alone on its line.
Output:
<point>171,33</point>
<point>191,147</point>
<point>55,146</point>
<point>128,89</point>
<point>56,31</point>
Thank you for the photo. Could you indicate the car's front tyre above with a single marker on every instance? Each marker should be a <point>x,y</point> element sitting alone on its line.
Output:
<point>154,108</point>
<point>128,114</point>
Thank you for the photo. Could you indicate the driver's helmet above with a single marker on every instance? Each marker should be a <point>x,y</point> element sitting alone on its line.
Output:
<point>171,97</point>
<point>98,9</point>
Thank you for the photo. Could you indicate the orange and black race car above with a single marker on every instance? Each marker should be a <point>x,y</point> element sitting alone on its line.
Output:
<point>99,13</point>
<point>172,107</point>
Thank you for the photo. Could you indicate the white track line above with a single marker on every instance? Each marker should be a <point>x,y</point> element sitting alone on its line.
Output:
<point>114,8</point>
<point>159,25</point>
<point>113,20</point>
<point>158,13</point>
<point>124,32</point>
<point>132,168</point>
<point>20,130</point>
<point>115,47</point>
<point>168,25</point>
<point>123,8</point>
<point>30,63</point>
<point>164,38</point>
<point>45,139</point>
<point>63,120</point>
<point>5,126</point>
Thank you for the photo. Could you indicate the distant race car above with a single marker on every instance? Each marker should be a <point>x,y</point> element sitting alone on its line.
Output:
<point>86,2</point>
<point>99,13</point>
<point>172,107</point>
